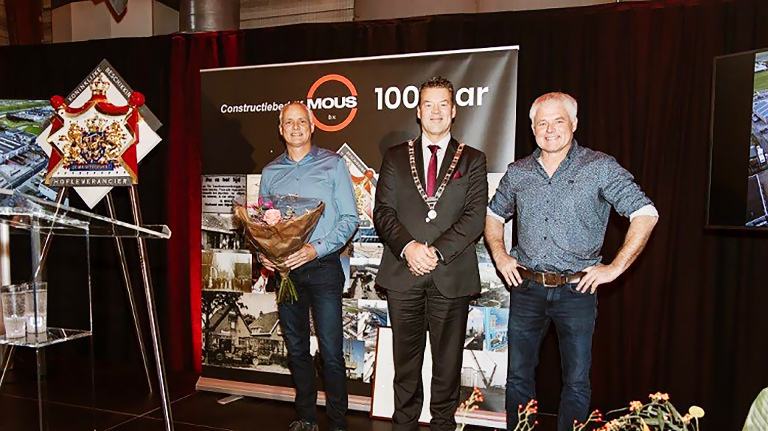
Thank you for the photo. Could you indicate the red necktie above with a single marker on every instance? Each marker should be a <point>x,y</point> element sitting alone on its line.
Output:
<point>432,171</point>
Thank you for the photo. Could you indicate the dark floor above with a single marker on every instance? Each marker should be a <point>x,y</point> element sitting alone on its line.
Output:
<point>120,401</point>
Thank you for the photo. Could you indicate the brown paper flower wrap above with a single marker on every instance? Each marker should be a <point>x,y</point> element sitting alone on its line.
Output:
<point>278,241</point>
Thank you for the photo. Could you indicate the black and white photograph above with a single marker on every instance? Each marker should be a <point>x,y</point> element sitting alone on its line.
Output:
<point>269,354</point>
<point>242,330</point>
<point>227,270</point>
<point>221,191</point>
<point>219,233</point>
<point>268,348</point>
<point>261,314</point>
<point>252,185</point>
<point>226,335</point>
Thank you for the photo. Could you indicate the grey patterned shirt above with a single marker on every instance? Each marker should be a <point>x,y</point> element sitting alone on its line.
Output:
<point>561,221</point>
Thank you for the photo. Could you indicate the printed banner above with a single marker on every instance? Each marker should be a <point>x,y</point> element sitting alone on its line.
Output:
<point>361,107</point>
<point>369,104</point>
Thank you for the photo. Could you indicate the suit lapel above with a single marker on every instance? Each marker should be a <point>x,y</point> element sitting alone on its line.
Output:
<point>450,151</point>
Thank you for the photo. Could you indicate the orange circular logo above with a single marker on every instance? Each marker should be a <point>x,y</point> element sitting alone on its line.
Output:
<point>351,102</point>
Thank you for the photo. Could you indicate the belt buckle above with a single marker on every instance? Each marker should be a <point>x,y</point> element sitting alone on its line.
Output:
<point>549,275</point>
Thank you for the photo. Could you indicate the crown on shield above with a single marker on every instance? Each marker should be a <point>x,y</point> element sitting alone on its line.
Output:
<point>99,85</point>
<point>95,124</point>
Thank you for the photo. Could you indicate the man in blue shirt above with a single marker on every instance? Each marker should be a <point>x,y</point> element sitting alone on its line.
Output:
<point>562,195</point>
<point>308,171</point>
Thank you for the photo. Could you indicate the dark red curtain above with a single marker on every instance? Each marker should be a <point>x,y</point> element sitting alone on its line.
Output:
<point>25,21</point>
<point>189,54</point>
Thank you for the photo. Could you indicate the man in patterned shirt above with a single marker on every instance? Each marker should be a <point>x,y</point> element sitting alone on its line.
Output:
<point>562,196</point>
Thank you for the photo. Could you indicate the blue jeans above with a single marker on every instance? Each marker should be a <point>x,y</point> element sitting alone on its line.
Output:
<point>319,284</point>
<point>532,306</point>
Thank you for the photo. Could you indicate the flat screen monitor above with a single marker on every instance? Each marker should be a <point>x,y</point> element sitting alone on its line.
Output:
<point>738,177</point>
<point>22,162</point>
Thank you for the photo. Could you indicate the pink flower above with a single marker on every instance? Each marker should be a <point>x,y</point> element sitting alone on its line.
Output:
<point>272,217</point>
<point>265,204</point>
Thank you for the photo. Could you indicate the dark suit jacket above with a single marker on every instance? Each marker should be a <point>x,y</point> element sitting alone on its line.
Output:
<point>399,215</point>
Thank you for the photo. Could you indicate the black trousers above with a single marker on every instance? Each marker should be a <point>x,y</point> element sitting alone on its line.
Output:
<point>414,312</point>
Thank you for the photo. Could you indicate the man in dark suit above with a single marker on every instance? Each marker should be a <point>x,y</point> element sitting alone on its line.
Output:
<point>430,210</point>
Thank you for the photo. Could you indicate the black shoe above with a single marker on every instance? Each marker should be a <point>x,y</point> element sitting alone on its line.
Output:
<point>302,426</point>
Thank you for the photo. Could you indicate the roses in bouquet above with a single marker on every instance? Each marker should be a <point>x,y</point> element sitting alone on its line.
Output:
<point>278,227</point>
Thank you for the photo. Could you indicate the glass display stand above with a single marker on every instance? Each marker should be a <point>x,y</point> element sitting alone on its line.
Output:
<point>43,220</point>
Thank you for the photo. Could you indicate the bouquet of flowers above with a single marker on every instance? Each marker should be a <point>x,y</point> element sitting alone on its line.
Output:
<point>278,226</point>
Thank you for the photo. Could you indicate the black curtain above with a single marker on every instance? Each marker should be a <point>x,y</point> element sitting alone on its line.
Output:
<point>687,318</point>
<point>41,71</point>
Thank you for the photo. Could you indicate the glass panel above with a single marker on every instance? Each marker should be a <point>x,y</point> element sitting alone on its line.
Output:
<point>26,212</point>
<point>51,336</point>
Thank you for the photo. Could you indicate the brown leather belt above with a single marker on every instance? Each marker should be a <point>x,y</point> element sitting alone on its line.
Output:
<point>550,279</point>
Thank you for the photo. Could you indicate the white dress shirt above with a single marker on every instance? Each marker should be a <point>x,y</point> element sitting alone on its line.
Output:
<point>443,144</point>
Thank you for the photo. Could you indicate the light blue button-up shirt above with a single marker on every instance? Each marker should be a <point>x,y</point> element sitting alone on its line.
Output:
<point>321,174</point>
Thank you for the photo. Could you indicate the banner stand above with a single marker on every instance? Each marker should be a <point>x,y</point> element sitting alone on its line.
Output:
<point>356,402</point>
<point>361,107</point>
<point>278,393</point>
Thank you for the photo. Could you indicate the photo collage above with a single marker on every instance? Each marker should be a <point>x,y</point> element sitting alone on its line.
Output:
<point>241,326</point>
